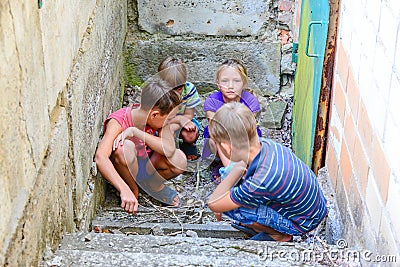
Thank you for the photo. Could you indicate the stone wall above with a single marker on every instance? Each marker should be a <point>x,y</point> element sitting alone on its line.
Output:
<point>60,77</point>
<point>204,33</point>
<point>363,156</point>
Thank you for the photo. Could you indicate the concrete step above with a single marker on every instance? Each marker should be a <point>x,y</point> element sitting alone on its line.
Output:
<point>186,236</point>
<point>99,249</point>
<point>115,220</point>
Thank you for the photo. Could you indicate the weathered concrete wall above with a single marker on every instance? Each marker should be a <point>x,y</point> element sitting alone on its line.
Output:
<point>203,34</point>
<point>262,60</point>
<point>59,78</point>
<point>215,17</point>
<point>363,156</point>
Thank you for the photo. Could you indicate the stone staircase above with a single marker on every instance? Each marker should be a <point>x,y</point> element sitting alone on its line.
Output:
<point>116,241</point>
<point>145,250</point>
<point>185,236</point>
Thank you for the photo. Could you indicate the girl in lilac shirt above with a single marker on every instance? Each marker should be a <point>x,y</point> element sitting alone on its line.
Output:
<point>231,79</point>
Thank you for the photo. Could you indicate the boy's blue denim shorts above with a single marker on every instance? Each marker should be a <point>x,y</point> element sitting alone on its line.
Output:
<point>263,215</point>
<point>142,173</point>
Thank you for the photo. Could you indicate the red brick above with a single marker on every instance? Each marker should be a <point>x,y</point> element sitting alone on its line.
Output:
<point>286,5</point>
<point>339,101</point>
<point>332,164</point>
<point>364,127</point>
<point>380,168</point>
<point>298,16</point>
<point>353,94</point>
<point>345,166</point>
<point>361,165</point>
<point>342,65</point>
<point>284,35</point>
<point>350,133</point>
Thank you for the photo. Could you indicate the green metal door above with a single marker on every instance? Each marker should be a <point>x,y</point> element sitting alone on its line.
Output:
<point>311,50</point>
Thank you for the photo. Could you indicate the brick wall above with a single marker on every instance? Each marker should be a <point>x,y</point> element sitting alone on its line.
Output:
<point>363,149</point>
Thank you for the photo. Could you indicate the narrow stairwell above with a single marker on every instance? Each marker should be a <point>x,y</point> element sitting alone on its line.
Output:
<point>190,235</point>
<point>187,236</point>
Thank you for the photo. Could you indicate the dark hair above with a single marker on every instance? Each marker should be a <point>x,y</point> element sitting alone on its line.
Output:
<point>173,70</point>
<point>158,94</point>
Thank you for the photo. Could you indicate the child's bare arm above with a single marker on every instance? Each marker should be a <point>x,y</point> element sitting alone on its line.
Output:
<point>189,113</point>
<point>220,200</point>
<point>163,144</point>
<point>185,120</point>
<point>107,169</point>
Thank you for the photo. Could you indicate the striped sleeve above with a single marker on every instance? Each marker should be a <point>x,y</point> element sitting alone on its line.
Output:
<point>190,95</point>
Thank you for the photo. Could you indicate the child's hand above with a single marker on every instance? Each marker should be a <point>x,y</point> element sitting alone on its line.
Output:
<point>119,141</point>
<point>189,126</point>
<point>128,201</point>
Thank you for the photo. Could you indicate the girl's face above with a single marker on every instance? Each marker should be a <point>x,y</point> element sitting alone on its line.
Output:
<point>231,84</point>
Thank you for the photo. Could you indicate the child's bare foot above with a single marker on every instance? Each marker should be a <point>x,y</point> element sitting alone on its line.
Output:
<point>268,233</point>
<point>281,237</point>
<point>175,202</point>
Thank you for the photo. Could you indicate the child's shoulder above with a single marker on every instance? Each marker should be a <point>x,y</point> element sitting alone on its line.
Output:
<point>249,94</point>
<point>119,112</point>
<point>189,89</point>
<point>189,85</point>
<point>190,95</point>
<point>270,143</point>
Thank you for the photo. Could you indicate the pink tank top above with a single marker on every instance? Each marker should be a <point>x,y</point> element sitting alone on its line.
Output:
<point>124,117</point>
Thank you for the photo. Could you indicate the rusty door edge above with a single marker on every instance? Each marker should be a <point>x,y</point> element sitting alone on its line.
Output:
<point>321,129</point>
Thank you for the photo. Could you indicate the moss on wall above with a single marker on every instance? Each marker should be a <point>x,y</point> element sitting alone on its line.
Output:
<point>122,90</point>
<point>131,77</point>
<point>205,88</point>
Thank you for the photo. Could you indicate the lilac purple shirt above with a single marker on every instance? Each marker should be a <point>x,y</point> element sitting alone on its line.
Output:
<point>215,101</point>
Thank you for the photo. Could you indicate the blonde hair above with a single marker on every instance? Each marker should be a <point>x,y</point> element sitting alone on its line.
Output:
<point>158,94</point>
<point>173,70</point>
<point>236,64</point>
<point>235,123</point>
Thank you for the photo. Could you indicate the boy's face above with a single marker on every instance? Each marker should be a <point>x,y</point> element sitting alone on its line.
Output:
<point>179,89</point>
<point>226,149</point>
<point>157,121</point>
<point>231,152</point>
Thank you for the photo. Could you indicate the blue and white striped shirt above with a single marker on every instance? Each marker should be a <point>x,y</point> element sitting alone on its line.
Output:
<point>278,178</point>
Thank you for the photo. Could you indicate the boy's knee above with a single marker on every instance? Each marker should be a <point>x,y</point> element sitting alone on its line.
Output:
<point>125,155</point>
<point>178,162</point>
<point>177,171</point>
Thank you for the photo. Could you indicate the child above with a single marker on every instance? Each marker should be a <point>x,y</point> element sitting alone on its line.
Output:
<point>126,162</point>
<point>173,70</point>
<point>278,197</point>
<point>231,79</point>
